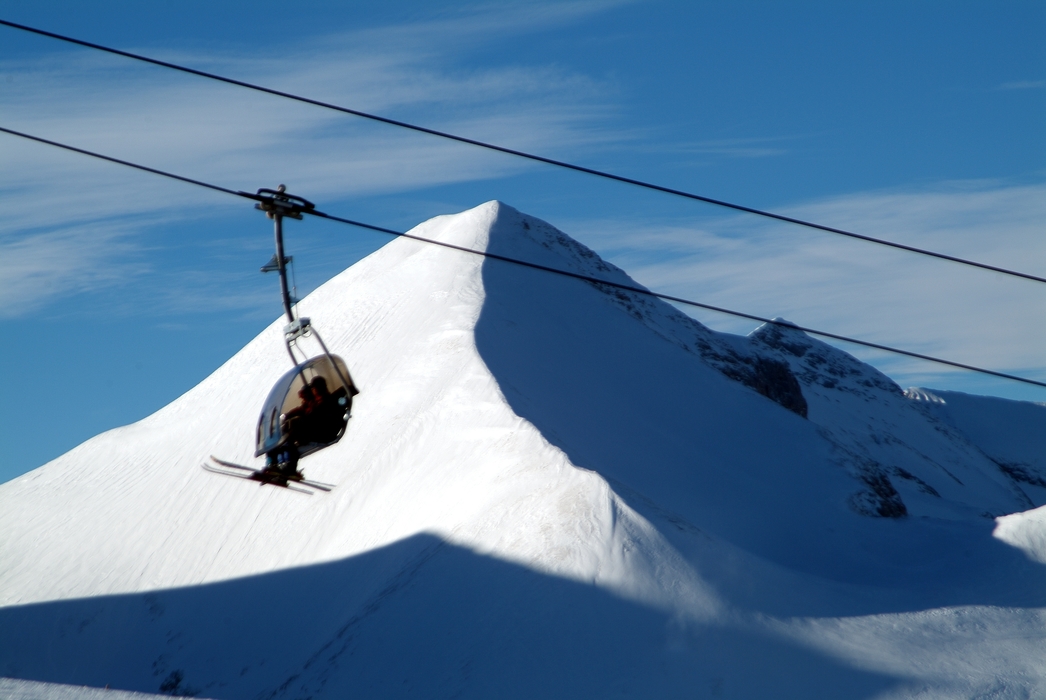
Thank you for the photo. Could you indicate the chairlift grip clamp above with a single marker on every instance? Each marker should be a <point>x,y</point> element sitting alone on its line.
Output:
<point>296,329</point>
<point>276,202</point>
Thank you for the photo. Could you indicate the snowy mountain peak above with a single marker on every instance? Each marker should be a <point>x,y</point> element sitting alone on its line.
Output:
<point>513,233</point>
<point>548,487</point>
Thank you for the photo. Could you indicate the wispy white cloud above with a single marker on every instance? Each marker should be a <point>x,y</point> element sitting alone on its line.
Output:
<point>38,267</point>
<point>68,206</point>
<point>447,27</point>
<point>859,289</point>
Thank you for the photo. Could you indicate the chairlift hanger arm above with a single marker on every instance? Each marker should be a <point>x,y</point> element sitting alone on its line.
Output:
<point>277,204</point>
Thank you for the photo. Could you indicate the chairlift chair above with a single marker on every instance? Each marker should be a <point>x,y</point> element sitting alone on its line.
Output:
<point>308,409</point>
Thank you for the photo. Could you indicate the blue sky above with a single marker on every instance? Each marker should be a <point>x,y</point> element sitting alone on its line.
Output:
<point>917,122</point>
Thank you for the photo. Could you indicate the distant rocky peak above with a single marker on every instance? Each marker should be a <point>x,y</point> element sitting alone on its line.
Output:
<point>817,363</point>
<point>776,360</point>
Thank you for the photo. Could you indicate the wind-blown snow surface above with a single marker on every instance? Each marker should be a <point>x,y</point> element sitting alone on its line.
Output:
<point>547,489</point>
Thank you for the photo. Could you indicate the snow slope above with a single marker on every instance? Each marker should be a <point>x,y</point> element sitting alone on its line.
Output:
<point>549,488</point>
<point>11,689</point>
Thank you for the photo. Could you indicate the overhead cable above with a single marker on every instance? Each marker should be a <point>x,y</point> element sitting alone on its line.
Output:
<point>535,266</point>
<point>523,154</point>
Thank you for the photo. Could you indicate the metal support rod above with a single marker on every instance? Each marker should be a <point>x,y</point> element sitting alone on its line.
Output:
<point>291,352</point>
<point>349,386</point>
<point>278,219</point>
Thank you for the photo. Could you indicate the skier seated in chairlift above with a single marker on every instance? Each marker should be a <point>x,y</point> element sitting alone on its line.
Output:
<point>320,417</point>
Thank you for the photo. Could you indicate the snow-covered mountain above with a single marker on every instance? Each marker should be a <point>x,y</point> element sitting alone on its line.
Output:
<point>548,488</point>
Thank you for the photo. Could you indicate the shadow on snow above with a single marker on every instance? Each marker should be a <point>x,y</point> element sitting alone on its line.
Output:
<point>417,618</point>
<point>744,488</point>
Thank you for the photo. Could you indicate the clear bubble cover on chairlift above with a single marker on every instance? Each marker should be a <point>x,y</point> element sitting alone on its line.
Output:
<point>308,408</point>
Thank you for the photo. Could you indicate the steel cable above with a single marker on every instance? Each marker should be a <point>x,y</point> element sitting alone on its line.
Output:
<point>535,266</point>
<point>523,154</point>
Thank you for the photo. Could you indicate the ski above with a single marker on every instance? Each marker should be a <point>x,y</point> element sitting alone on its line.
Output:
<point>269,477</point>
<point>253,477</point>
<point>233,465</point>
